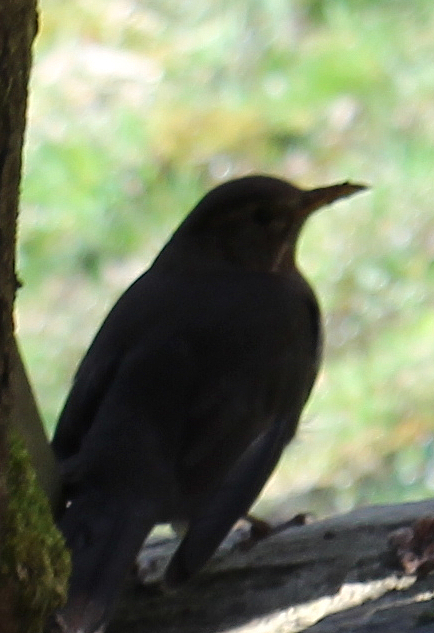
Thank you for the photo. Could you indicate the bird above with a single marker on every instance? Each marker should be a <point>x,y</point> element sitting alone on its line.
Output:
<point>190,391</point>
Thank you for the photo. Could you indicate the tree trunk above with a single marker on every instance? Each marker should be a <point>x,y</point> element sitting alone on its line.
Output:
<point>18,25</point>
<point>32,552</point>
<point>17,30</point>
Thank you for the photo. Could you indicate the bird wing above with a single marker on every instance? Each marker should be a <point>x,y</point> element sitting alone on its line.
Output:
<point>232,500</point>
<point>99,368</point>
<point>192,371</point>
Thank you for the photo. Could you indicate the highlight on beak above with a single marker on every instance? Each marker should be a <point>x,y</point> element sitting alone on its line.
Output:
<point>316,198</point>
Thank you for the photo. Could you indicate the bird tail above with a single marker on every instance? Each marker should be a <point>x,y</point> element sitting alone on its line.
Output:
<point>104,538</point>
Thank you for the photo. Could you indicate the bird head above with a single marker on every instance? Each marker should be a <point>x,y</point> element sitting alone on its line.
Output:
<point>250,223</point>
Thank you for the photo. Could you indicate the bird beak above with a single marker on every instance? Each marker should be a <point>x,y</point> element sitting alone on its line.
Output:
<point>316,198</point>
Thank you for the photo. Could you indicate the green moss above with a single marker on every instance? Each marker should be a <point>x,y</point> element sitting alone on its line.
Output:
<point>35,564</point>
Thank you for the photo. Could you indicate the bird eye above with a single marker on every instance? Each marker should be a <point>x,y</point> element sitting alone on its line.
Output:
<point>262,216</point>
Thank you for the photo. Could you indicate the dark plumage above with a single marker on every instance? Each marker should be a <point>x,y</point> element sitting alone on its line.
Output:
<point>190,391</point>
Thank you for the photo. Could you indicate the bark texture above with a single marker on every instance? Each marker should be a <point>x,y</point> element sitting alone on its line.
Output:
<point>18,27</point>
<point>332,576</point>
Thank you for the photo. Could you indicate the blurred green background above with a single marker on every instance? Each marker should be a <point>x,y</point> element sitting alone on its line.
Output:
<point>138,107</point>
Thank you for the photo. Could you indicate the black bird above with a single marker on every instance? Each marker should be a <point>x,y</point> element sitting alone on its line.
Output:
<point>190,390</point>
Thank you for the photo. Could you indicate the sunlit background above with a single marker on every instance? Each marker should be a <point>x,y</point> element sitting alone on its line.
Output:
<point>138,107</point>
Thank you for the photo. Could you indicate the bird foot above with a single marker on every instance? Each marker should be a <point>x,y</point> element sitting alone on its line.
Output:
<point>260,529</point>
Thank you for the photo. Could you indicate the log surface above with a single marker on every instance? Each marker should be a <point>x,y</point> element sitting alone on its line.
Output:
<point>335,575</point>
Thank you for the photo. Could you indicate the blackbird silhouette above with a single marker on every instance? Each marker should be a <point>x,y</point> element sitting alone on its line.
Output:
<point>190,390</point>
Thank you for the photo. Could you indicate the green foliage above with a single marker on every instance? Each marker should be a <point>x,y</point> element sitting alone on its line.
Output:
<point>35,565</point>
<point>138,107</point>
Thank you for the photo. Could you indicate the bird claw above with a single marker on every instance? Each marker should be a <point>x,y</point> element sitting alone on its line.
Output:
<point>260,529</point>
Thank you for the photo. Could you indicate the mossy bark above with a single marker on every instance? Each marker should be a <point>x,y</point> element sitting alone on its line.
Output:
<point>33,563</point>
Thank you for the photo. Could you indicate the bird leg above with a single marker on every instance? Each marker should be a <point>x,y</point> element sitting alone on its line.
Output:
<point>261,529</point>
